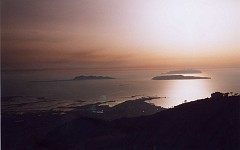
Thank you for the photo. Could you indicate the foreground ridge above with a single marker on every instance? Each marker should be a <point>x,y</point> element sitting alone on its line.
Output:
<point>209,124</point>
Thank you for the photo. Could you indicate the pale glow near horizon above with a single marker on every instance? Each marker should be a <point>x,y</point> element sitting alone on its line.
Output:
<point>107,33</point>
<point>190,25</point>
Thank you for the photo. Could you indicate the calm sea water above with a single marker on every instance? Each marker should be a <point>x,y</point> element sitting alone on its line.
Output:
<point>128,85</point>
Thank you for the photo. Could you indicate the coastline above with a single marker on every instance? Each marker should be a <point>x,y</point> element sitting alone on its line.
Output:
<point>56,130</point>
<point>128,108</point>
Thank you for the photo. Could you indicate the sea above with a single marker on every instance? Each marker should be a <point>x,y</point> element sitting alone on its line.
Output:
<point>128,85</point>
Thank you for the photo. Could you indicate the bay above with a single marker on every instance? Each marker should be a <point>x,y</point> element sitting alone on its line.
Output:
<point>129,84</point>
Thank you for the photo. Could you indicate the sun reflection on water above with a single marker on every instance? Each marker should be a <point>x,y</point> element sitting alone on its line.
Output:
<point>183,90</point>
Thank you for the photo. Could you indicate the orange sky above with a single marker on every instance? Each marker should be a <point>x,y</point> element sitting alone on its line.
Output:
<point>116,34</point>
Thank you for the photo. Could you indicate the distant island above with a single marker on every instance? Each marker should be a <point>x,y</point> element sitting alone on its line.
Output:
<point>92,77</point>
<point>178,77</point>
<point>82,77</point>
<point>186,71</point>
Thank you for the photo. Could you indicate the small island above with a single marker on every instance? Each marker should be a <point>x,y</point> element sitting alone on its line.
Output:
<point>186,71</point>
<point>92,78</point>
<point>178,77</point>
<point>82,77</point>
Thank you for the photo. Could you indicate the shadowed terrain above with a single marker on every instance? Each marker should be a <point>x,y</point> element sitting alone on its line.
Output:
<point>211,123</point>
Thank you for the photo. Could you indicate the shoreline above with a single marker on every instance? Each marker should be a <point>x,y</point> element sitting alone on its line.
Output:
<point>27,104</point>
<point>74,129</point>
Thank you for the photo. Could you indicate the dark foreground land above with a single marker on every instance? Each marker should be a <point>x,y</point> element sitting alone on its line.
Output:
<point>207,124</point>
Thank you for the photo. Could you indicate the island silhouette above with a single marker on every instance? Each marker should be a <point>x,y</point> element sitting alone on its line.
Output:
<point>178,77</point>
<point>82,77</point>
<point>185,71</point>
<point>92,77</point>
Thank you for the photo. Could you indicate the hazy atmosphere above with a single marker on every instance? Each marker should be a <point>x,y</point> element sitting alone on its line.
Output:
<point>60,34</point>
<point>120,74</point>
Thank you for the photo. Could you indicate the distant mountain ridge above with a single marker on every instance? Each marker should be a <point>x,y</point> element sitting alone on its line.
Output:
<point>186,71</point>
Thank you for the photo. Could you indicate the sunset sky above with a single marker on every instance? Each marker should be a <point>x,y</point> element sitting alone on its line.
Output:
<point>42,34</point>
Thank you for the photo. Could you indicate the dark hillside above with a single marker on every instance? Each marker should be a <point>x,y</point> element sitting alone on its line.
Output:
<point>203,124</point>
<point>208,124</point>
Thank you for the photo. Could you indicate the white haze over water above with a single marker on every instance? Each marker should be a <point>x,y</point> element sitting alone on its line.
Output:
<point>127,85</point>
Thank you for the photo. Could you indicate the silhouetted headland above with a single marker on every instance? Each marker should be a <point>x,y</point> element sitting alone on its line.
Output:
<point>207,124</point>
<point>178,77</point>
<point>129,108</point>
<point>187,71</point>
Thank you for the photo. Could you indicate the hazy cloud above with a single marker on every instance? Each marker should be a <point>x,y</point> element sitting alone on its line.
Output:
<point>103,33</point>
